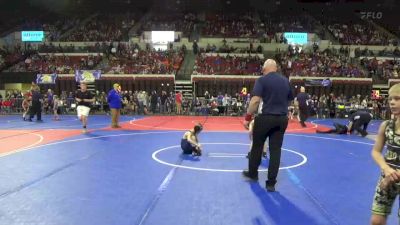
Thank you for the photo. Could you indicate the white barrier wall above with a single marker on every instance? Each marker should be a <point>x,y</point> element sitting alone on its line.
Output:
<point>15,38</point>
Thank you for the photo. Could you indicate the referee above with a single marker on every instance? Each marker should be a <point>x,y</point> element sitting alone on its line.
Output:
<point>303,98</point>
<point>359,119</point>
<point>275,92</point>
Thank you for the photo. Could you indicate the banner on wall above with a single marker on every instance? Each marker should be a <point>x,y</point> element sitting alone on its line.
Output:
<point>46,78</point>
<point>318,82</point>
<point>87,76</point>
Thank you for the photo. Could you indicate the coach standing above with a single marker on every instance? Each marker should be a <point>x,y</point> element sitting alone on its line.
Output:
<point>115,103</point>
<point>302,98</point>
<point>275,92</point>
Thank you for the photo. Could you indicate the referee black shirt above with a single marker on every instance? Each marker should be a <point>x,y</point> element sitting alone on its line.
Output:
<point>275,91</point>
<point>84,95</point>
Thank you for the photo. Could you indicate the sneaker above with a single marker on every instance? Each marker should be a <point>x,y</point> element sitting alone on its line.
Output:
<point>270,188</point>
<point>365,133</point>
<point>246,174</point>
<point>264,154</point>
<point>84,130</point>
<point>196,153</point>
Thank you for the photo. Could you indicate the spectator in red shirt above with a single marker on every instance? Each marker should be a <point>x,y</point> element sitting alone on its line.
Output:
<point>178,101</point>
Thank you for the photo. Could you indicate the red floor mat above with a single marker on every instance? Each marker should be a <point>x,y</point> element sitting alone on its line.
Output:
<point>14,140</point>
<point>210,124</point>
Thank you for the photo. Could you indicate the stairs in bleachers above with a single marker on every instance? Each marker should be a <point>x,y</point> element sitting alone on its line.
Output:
<point>186,87</point>
<point>324,29</point>
<point>70,31</point>
<point>134,31</point>
<point>186,69</point>
<point>381,29</point>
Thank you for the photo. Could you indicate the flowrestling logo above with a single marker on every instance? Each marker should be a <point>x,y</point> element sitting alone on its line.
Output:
<point>371,15</point>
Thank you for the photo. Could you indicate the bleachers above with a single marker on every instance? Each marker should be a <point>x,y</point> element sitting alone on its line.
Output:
<point>320,64</point>
<point>231,25</point>
<point>216,64</point>
<point>170,22</point>
<point>50,63</point>
<point>104,27</point>
<point>145,62</point>
<point>383,68</point>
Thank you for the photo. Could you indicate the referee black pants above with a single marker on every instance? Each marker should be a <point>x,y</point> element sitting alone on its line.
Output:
<point>273,127</point>
<point>362,122</point>
<point>303,114</point>
<point>36,109</point>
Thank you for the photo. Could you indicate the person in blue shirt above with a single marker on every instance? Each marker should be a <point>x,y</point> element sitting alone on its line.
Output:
<point>275,92</point>
<point>115,102</point>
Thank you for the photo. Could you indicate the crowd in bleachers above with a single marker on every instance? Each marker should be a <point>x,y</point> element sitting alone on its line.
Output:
<point>382,68</point>
<point>234,25</point>
<point>104,27</point>
<point>228,65</point>
<point>170,22</point>
<point>9,57</point>
<point>59,27</point>
<point>51,63</point>
<point>381,53</point>
<point>98,47</point>
<point>359,34</point>
<point>327,63</point>
<point>226,48</point>
<point>273,25</point>
<point>133,60</point>
<point>381,65</point>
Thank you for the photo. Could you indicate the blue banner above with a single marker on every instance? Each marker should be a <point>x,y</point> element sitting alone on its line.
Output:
<point>86,76</point>
<point>46,78</point>
<point>318,82</point>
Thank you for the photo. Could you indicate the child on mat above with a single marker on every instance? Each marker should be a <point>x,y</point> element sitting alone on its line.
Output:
<point>56,104</point>
<point>190,141</point>
<point>388,186</point>
<point>25,106</point>
<point>290,112</point>
<point>251,126</point>
<point>339,129</point>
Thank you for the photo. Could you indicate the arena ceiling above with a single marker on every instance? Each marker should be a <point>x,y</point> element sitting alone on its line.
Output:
<point>201,5</point>
<point>206,3</point>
